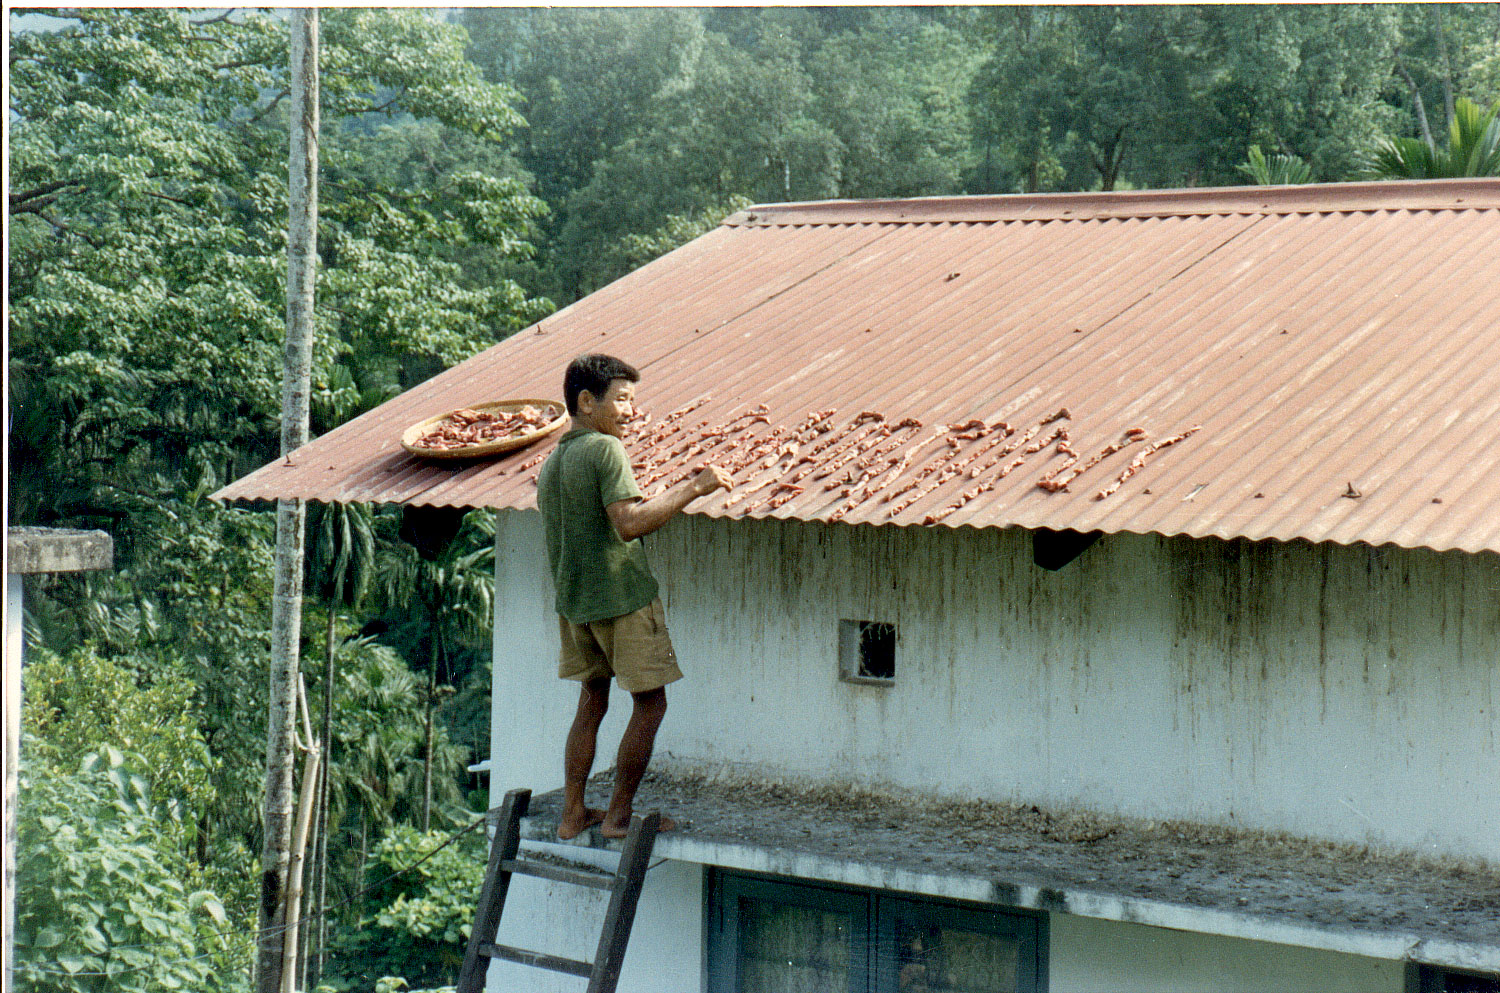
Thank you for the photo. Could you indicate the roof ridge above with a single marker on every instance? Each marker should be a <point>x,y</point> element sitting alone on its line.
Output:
<point>1313,198</point>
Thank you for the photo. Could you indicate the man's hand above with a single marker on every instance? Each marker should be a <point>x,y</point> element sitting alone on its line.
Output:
<point>637,518</point>
<point>711,478</point>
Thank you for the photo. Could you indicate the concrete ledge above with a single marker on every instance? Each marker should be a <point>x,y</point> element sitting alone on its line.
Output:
<point>35,550</point>
<point>1306,894</point>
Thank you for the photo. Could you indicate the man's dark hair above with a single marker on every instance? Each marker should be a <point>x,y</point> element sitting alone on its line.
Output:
<point>594,373</point>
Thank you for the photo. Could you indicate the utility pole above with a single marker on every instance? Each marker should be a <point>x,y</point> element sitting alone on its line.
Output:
<point>286,604</point>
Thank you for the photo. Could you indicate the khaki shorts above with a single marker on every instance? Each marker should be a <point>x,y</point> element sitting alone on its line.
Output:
<point>633,648</point>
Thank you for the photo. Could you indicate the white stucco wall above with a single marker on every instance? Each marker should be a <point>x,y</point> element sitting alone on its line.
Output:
<point>1331,692</point>
<point>530,708</point>
<point>1094,956</point>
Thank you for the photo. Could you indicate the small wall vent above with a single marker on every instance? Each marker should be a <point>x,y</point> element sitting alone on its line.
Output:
<point>867,652</point>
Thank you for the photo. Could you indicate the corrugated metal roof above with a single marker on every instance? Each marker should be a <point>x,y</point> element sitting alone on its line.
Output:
<point>1325,360</point>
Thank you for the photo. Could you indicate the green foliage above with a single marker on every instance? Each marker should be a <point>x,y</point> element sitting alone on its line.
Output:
<point>1278,170</point>
<point>589,77</point>
<point>1473,148</point>
<point>417,925</point>
<point>341,551</point>
<point>187,612</point>
<point>442,605</point>
<point>642,120</point>
<point>675,231</point>
<point>895,94</point>
<point>1090,88</point>
<point>648,122</point>
<point>81,703</point>
<point>1310,81</point>
<point>391,984</point>
<point>148,154</point>
<point>376,770</point>
<point>101,903</point>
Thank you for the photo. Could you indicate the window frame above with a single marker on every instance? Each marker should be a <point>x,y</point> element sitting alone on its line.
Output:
<point>874,916</point>
<point>1423,978</point>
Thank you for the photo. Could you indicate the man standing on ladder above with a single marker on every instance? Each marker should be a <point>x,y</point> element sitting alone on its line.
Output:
<point>610,619</point>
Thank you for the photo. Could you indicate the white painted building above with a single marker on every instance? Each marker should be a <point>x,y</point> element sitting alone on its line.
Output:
<point>1324,692</point>
<point>1244,741</point>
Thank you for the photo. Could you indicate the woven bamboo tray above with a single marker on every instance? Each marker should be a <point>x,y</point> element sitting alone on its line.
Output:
<point>487,448</point>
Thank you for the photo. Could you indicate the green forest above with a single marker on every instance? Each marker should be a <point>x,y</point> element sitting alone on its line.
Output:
<point>481,168</point>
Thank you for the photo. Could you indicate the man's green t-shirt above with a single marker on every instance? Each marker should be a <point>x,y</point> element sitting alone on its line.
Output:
<point>596,575</point>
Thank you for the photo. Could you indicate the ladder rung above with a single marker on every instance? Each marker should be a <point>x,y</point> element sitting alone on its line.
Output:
<point>538,959</point>
<point>578,877</point>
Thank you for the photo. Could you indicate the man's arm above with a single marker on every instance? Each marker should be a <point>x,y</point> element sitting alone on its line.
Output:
<point>638,518</point>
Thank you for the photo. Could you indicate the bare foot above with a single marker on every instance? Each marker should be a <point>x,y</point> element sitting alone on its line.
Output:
<point>572,825</point>
<point>612,831</point>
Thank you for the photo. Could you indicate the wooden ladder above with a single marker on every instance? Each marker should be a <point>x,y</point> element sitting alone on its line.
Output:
<point>624,886</point>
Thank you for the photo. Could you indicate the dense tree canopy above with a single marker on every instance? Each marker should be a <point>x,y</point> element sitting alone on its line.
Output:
<point>147,232</point>
<point>638,116</point>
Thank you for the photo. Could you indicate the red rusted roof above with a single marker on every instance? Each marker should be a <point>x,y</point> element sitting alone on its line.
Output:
<point>1317,362</point>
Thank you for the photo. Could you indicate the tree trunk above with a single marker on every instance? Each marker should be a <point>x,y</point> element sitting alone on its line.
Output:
<point>311,915</point>
<point>364,849</point>
<point>427,751</point>
<point>1416,100</point>
<point>286,603</point>
<point>1447,70</point>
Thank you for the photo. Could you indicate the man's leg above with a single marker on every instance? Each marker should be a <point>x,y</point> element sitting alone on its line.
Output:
<point>635,755</point>
<point>578,759</point>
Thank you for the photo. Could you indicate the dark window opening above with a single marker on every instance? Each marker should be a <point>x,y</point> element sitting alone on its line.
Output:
<point>867,651</point>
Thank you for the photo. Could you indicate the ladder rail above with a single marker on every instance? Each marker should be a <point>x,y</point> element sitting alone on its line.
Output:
<point>506,843</point>
<point>624,885</point>
<point>620,917</point>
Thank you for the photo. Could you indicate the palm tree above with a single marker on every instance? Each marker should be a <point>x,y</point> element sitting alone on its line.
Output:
<point>377,741</point>
<point>449,590</point>
<point>341,557</point>
<point>1473,148</point>
<point>1278,170</point>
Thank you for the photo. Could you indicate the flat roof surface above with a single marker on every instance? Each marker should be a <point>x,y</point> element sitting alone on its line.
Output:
<point>1211,880</point>
<point>1318,362</point>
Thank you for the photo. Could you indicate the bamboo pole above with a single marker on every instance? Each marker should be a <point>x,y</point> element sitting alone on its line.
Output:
<point>299,850</point>
<point>319,936</point>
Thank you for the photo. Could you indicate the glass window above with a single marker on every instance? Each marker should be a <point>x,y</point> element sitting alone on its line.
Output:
<point>771,937</point>
<point>935,959</point>
<point>775,936</point>
<point>789,949</point>
<point>1437,979</point>
<point>952,948</point>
